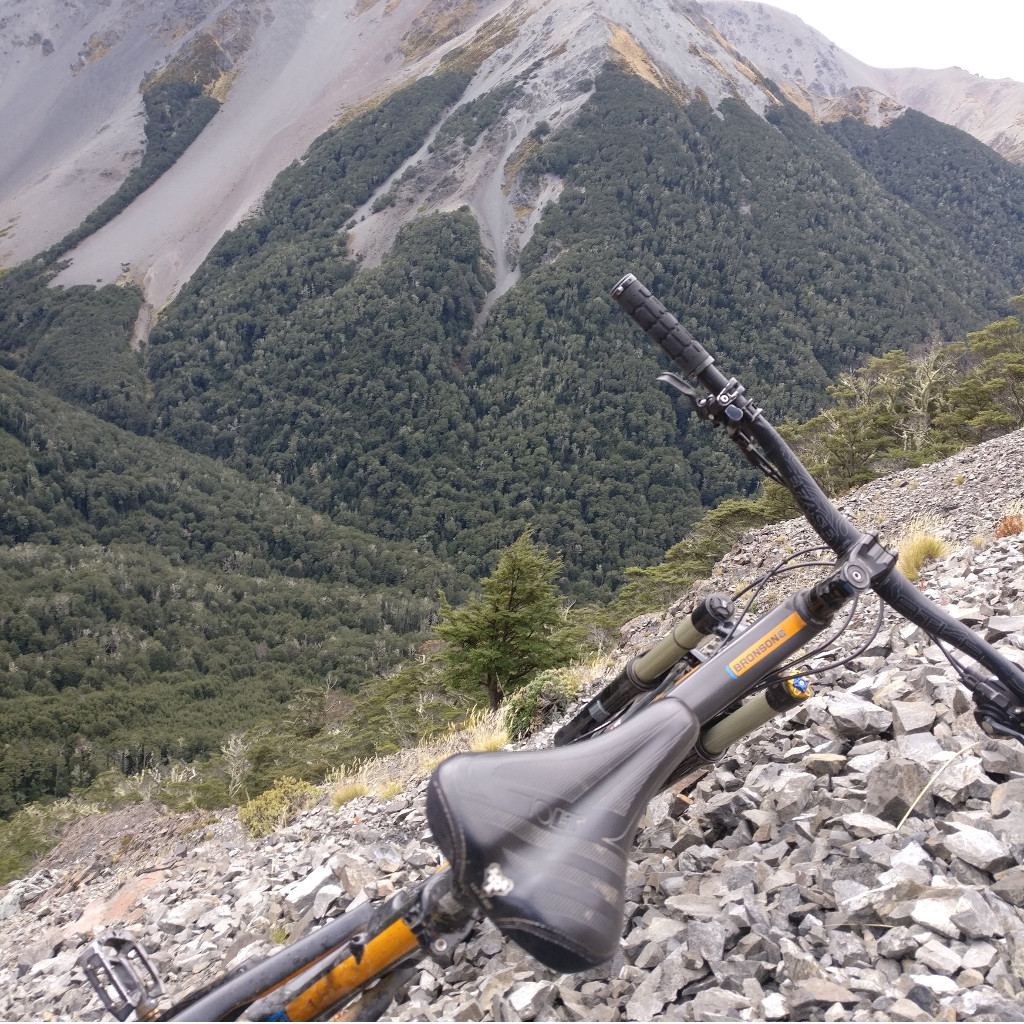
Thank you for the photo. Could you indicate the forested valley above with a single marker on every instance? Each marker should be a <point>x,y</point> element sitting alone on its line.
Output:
<point>271,493</point>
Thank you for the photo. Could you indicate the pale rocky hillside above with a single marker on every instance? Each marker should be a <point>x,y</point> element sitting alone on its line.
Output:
<point>71,108</point>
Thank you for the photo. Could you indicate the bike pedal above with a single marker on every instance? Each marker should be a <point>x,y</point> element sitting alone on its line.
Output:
<point>122,975</point>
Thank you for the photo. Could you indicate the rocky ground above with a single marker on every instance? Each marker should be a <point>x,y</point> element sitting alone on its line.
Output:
<point>861,859</point>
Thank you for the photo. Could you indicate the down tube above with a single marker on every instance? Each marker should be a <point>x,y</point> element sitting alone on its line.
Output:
<point>738,668</point>
<point>382,952</point>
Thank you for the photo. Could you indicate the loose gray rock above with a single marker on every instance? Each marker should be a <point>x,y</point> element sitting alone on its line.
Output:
<point>894,786</point>
<point>775,886</point>
<point>980,848</point>
<point>854,716</point>
<point>819,992</point>
<point>912,716</point>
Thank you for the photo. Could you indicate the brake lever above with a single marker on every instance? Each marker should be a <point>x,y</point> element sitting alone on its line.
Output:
<point>727,410</point>
<point>999,711</point>
<point>122,975</point>
<point>997,726</point>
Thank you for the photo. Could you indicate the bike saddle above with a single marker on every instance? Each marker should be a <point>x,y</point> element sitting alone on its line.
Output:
<point>540,838</point>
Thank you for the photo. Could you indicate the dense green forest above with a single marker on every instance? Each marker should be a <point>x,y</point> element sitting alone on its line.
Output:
<point>378,398</point>
<point>965,188</point>
<point>152,600</point>
<point>76,343</point>
<point>332,445</point>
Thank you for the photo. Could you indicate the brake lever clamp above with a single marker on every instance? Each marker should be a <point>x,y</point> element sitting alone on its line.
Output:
<point>731,410</point>
<point>999,711</point>
<point>734,403</point>
<point>724,409</point>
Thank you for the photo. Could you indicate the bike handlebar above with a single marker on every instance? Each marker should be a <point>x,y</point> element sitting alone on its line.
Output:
<point>678,344</point>
<point>693,359</point>
<point>726,405</point>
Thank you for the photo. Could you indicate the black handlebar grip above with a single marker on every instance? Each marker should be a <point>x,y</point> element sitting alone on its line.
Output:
<point>679,345</point>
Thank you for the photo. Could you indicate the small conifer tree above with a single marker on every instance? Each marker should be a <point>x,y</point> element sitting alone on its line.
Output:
<point>516,628</point>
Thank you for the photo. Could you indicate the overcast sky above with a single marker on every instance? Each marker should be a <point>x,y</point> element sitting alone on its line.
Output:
<point>985,37</point>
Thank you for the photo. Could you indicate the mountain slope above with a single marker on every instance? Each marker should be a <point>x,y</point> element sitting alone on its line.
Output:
<point>408,353</point>
<point>379,397</point>
<point>788,868</point>
<point>152,601</point>
<point>287,70</point>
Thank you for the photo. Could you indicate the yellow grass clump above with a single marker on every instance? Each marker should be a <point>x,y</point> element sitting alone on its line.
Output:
<point>919,543</point>
<point>385,777</point>
<point>345,792</point>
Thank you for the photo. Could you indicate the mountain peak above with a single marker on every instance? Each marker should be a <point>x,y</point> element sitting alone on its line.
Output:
<point>286,71</point>
<point>829,83</point>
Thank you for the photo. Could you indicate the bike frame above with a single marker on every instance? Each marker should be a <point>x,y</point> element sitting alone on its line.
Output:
<point>349,955</point>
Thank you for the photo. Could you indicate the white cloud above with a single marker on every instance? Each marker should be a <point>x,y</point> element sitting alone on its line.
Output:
<point>982,36</point>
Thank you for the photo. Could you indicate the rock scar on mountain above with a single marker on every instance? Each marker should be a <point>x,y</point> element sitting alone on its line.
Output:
<point>297,66</point>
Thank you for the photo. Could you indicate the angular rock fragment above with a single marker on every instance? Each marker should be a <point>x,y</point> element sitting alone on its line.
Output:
<point>855,717</point>
<point>912,716</point>
<point>813,992</point>
<point>979,847</point>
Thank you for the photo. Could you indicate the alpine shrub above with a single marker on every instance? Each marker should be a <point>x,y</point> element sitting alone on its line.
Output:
<point>271,810</point>
<point>537,703</point>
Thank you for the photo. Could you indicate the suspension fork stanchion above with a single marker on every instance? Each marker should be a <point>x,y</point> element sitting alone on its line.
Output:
<point>781,694</point>
<point>646,671</point>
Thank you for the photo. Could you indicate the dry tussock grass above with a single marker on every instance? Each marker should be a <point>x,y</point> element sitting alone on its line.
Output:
<point>919,542</point>
<point>385,777</point>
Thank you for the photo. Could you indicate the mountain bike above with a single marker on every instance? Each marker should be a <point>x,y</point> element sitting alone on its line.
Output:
<point>538,840</point>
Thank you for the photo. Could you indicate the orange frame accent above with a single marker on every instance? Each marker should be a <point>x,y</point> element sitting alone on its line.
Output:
<point>393,944</point>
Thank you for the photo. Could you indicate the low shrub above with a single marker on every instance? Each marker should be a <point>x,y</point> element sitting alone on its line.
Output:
<point>273,809</point>
<point>538,703</point>
<point>1010,525</point>
<point>23,840</point>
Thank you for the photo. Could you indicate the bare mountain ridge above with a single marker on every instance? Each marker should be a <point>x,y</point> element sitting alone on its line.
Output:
<point>288,69</point>
<point>829,83</point>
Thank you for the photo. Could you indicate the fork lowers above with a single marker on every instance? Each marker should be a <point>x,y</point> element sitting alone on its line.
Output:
<point>780,695</point>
